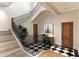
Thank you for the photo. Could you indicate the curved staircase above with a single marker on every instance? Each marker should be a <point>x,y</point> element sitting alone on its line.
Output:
<point>9,46</point>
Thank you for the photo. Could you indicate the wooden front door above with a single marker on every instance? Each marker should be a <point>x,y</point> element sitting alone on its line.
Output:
<point>35,32</point>
<point>67,34</point>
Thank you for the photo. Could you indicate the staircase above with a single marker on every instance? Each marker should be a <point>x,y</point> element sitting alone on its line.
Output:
<point>9,46</point>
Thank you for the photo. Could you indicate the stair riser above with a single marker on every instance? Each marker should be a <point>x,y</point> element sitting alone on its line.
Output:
<point>6,36</point>
<point>8,48</point>
<point>7,43</point>
<point>5,33</point>
<point>4,40</point>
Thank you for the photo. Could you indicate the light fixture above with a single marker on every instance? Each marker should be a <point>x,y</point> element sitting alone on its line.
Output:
<point>50,35</point>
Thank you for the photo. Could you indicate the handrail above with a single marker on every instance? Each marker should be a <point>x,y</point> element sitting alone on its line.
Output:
<point>16,30</point>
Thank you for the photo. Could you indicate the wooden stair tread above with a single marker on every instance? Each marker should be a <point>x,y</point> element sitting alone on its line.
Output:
<point>7,36</point>
<point>7,43</point>
<point>19,53</point>
<point>7,48</point>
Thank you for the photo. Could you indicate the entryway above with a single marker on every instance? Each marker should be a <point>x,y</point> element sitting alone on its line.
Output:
<point>67,34</point>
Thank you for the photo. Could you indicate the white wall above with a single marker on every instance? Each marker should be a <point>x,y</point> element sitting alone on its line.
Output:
<point>57,20</point>
<point>78,30</point>
<point>4,21</point>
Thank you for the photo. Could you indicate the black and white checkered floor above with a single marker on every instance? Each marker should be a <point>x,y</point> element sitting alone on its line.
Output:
<point>35,48</point>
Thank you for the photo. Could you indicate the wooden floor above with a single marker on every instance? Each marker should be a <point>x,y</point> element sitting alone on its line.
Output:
<point>48,53</point>
<point>9,46</point>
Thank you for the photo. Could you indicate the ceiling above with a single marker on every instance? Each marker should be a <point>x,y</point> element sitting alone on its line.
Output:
<point>5,4</point>
<point>61,7</point>
<point>66,6</point>
<point>41,16</point>
<point>15,9</point>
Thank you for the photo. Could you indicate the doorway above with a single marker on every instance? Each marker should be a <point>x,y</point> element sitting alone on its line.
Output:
<point>67,34</point>
<point>35,32</point>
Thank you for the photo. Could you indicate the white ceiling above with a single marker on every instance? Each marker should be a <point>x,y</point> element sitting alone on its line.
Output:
<point>61,7</point>
<point>66,6</point>
<point>17,8</point>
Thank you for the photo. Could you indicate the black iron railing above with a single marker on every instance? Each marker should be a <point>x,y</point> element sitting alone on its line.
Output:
<point>17,31</point>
